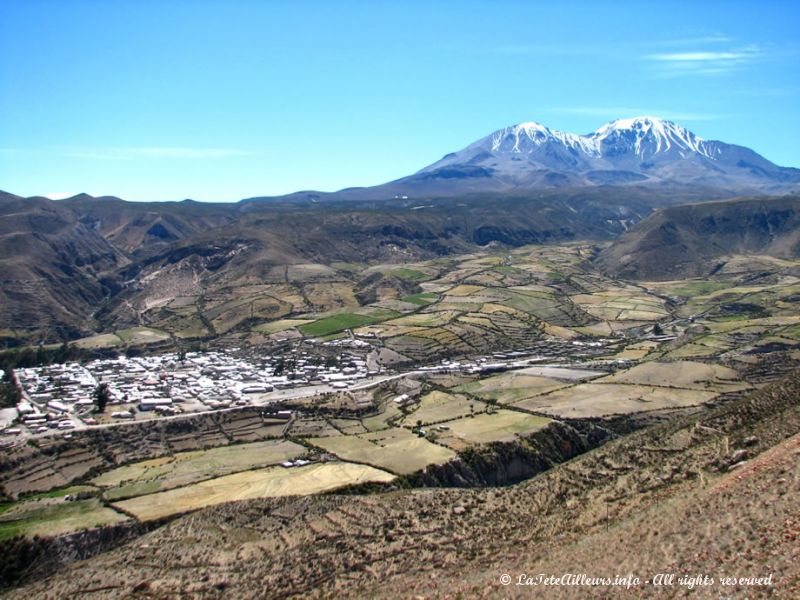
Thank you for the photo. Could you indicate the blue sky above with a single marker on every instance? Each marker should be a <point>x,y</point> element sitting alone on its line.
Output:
<point>221,100</point>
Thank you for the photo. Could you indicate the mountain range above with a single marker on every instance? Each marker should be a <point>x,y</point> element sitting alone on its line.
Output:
<point>640,151</point>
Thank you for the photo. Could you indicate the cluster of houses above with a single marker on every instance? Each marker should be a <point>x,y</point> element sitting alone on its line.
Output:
<point>63,396</point>
<point>53,396</point>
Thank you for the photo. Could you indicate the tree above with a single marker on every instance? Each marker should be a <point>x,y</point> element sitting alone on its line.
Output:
<point>62,354</point>
<point>658,330</point>
<point>9,394</point>
<point>102,395</point>
<point>42,356</point>
<point>280,366</point>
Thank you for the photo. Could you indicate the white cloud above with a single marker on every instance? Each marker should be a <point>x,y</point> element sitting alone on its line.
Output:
<point>714,38</point>
<point>703,62</point>
<point>703,56</point>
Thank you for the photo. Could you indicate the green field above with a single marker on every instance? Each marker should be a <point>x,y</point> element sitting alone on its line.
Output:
<point>421,299</point>
<point>53,517</point>
<point>103,340</point>
<point>409,274</point>
<point>142,335</point>
<point>61,492</point>
<point>338,323</point>
<point>697,288</point>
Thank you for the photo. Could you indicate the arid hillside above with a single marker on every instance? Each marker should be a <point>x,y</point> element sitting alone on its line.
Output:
<point>88,265</point>
<point>84,265</point>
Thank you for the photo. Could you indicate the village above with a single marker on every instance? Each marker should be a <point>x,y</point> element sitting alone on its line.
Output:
<point>63,397</point>
<point>60,398</point>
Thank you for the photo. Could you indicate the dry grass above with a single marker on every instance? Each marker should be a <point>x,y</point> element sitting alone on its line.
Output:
<point>596,400</point>
<point>184,468</point>
<point>436,406</point>
<point>681,374</point>
<point>261,483</point>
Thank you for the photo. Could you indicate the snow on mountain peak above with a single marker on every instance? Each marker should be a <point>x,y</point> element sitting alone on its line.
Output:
<point>642,132</point>
<point>646,136</point>
<point>525,137</point>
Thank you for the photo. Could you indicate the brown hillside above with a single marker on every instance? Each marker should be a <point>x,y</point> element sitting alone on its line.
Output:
<point>693,240</point>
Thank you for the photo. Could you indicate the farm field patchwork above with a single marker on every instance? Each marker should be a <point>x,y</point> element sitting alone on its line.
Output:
<point>590,329</point>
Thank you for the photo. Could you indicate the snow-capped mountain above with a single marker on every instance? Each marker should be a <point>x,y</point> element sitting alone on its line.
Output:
<point>650,153</point>
<point>641,150</point>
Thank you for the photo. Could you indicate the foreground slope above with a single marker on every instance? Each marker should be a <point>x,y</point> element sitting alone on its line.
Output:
<point>674,498</point>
